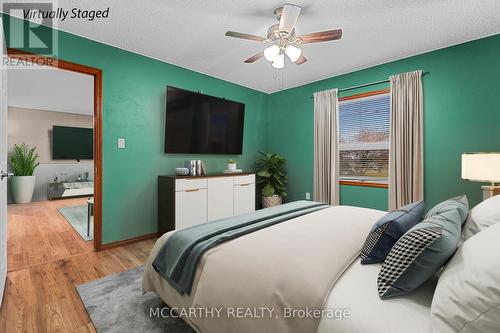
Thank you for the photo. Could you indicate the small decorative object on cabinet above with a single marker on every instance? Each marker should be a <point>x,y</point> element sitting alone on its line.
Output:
<point>200,168</point>
<point>196,167</point>
<point>182,171</point>
<point>184,201</point>
<point>272,175</point>
<point>24,161</point>
<point>231,165</point>
<point>484,168</point>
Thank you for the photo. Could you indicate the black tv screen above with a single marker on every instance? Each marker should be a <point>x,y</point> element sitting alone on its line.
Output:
<point>72,143</point>
<point>201,124</point>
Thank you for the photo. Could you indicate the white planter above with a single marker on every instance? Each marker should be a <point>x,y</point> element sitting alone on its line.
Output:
<point>271,201</point>
<point>231,166</point>
<point>22,188</point>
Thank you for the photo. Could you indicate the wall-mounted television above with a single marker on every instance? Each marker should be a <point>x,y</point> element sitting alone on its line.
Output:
<point>72,143</point>
<point>200,124</point>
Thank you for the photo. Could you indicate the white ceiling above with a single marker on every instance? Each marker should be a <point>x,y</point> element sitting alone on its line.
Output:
<point>190,33</point>
<point>51,89</point>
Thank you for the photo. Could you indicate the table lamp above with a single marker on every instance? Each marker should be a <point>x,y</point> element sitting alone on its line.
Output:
<point>482,167</point>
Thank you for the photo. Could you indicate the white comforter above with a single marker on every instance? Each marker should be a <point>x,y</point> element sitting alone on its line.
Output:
<point>289,266</point>
<point>356,291</point>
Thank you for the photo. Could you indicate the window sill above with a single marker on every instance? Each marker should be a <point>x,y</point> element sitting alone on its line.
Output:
<point>364,184</point>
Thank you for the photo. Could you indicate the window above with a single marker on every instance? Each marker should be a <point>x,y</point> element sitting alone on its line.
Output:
<point>364,138</point>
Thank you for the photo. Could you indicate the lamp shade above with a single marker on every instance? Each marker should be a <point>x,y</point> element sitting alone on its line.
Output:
<point>481,167</point>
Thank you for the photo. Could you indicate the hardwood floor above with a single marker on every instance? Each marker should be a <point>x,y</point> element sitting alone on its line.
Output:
<point>38,233</point>
<point>43,298</point>
<point>50,260</point>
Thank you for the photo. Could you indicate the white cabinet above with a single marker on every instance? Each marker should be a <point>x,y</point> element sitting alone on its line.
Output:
<point>244,198</point>
<point>184,184</point>
<point>190,207</point>
<point>243,180</point>
<point>188,201</point>
<point>220,198</point>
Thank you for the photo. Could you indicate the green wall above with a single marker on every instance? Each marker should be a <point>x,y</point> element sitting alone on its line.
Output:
<point>461,110</point>
<point>462,113</point>
<point>133,107</point>
<point>369,197</point>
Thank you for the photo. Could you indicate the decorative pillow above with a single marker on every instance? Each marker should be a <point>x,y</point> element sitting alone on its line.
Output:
<point>419,254</point>
<point>482,216</point>
<point>468,292</point>
<point>459,202</point>
<point>387,230</point>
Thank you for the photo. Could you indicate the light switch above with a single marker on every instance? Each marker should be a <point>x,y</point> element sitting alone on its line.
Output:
<point>121,143</point>
<point>308,196</point>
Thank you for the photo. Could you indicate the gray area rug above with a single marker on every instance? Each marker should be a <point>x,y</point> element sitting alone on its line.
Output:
<point>115,304</point>
<point>77,217</point>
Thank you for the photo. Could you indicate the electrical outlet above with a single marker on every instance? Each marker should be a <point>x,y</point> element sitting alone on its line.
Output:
<point>121,143</point>
<point>308,196</point>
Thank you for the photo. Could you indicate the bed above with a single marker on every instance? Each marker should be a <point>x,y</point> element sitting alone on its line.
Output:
<point>306,263</point>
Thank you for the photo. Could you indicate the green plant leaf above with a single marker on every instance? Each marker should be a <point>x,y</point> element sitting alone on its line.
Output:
<point>268,190</point>
<point>271,171</point>
<point>24,160</point>
<point>264,173</point>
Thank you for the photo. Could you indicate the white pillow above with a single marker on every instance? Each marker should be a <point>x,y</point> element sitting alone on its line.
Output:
<point>481,217</point>
<point>467,296</point>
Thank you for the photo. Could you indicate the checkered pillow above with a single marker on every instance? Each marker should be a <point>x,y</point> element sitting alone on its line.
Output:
<point>386,232</point>
<point>419,254</point>
<point>404,253</point>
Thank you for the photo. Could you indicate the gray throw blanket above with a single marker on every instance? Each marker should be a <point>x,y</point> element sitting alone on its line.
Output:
<point>177,260</point>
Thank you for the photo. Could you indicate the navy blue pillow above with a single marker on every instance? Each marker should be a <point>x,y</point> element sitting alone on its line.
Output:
<point>386,232</point>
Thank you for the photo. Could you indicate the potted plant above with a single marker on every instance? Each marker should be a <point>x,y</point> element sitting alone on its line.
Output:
<point>23,162</point>
<point>231,165</point>
<point>271,172</point>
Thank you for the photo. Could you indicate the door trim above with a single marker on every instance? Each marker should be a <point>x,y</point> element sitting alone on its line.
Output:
<point>97,74</point>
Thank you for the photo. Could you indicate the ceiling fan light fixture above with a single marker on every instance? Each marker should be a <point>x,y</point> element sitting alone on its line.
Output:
<point>279,61</point>
<point>293,53</point>
<point>271,53</point>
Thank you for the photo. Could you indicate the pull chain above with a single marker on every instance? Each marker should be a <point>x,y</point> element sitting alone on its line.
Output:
<point>281,79</point>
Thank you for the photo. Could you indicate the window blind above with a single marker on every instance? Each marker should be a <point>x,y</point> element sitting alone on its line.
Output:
<point>364,126</point>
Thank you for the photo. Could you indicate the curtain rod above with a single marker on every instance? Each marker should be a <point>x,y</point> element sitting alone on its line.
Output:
<point>370,84</point>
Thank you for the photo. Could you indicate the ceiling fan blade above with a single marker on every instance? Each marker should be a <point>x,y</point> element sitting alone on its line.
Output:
<point>301,60</point>
<point>322,36</point>
<point>255,57</point>
<point>243,35</point>
<point>289,17</point>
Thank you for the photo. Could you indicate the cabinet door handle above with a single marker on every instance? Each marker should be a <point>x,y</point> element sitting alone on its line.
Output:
<point>193,190</point>
<point>244,184</point>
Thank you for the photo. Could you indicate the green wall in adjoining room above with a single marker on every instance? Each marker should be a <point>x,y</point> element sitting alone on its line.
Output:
<point>461,114</point>
<point>134,90</point>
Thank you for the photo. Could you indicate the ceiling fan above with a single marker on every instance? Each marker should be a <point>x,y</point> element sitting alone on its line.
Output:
<point>284,40</point>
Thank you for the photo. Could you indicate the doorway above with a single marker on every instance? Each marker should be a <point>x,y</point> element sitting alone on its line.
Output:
<point>95,207</point>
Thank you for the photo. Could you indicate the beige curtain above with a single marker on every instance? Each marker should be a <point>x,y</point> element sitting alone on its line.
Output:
<point>326,150</point>
<point>406,174</point>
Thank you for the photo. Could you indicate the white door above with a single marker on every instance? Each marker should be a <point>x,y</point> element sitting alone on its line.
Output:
<point>220,198</point>
<point>244,198</point>
<point>3,168</point>
<point>190,207</point>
